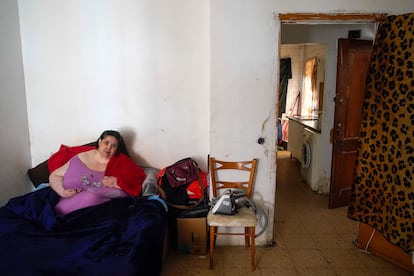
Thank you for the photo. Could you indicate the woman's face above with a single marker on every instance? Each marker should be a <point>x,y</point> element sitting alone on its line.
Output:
<point>108,146</point>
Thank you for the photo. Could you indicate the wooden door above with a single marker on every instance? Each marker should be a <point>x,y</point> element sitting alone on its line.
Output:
<point>353,61</point>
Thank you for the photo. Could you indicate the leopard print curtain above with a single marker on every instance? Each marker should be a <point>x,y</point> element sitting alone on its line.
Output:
<point>383,187</point>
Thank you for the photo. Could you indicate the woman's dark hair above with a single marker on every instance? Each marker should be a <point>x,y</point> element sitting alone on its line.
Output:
<point>121,145</point>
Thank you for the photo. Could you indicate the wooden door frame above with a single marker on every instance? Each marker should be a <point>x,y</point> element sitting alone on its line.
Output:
<point>330,18</point>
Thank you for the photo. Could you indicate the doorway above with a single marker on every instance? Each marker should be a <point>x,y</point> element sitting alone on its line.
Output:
<point>325,29</point>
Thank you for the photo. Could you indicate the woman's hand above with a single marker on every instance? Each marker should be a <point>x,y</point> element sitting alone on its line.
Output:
<point>56,181</point>
<point>110,181</point>
<point>69,192</point>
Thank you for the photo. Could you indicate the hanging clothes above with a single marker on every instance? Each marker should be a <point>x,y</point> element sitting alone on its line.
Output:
<point>383,186</point>
<point>285,75</point>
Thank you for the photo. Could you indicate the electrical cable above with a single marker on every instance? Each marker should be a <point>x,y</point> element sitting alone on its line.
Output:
<point>260,213</point>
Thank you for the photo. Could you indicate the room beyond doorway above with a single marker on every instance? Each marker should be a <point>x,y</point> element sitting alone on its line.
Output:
<point>311,28</point>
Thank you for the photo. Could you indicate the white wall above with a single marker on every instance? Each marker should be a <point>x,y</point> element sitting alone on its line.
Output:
<point>14,142</point>
<point>243,78</point>
<point>141,67</point>
<point>177,77</point>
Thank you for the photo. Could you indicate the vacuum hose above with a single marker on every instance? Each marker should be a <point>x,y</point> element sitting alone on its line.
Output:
<point>260,215</point>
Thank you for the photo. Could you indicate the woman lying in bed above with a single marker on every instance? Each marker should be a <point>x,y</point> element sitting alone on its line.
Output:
<point>85,176</point>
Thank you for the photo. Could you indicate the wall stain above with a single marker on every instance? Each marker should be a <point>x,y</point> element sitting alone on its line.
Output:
<point>265,123</point>
<point>324,183</point>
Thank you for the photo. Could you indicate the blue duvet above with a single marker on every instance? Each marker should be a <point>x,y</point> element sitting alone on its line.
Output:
<point>124,236</point>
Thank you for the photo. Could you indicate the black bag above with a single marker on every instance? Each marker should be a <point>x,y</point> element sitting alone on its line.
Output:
<point>199,211</point>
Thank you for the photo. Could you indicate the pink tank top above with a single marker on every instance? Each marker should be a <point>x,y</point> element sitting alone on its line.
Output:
<point>79,176</point>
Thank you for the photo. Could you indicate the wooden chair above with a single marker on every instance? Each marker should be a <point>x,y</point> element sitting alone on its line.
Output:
<point>220,172</point>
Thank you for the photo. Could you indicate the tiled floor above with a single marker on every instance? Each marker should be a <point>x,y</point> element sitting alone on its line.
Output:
<point>310,239</point>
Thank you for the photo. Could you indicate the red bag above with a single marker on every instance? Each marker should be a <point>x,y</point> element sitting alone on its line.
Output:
<point>194,190</point>
<point>182,172</point>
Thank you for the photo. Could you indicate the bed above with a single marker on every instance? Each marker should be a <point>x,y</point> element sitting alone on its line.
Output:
<point>124,236</point>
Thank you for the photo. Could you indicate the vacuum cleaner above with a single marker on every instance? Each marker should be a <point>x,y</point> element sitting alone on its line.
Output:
<point>231,200</point>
